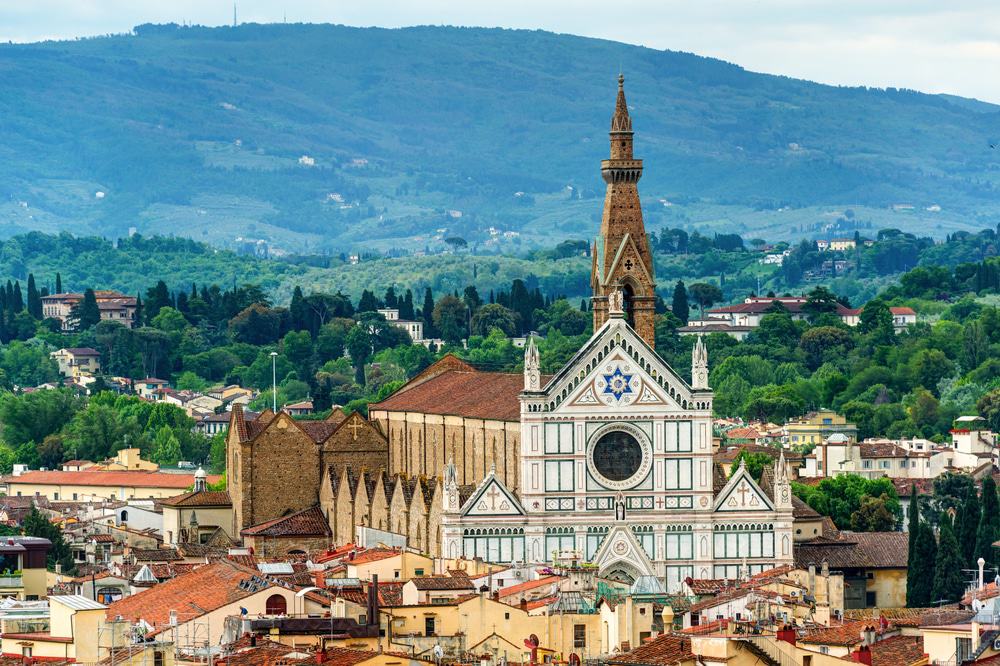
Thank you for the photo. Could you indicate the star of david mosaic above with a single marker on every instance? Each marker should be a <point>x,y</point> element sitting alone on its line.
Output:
<point>617,383</point>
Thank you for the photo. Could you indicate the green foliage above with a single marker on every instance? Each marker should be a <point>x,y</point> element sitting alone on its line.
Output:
<point>847,499</point>
<point>948,577</point>
<point>988,531</point>
<point>31,417</point>
<point>36,524</point>
<point>922,568</point>
<point>755,463</point>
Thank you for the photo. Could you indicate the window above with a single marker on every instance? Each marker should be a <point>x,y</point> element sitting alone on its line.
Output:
<point>680,546</point>
<point>74,497</point>
<point>506,616</point>
<point>617,455</point>
<point>579,635</point>
<point>124,516</point>
<point>429,626</point>
<point>275,605</point>
<point>871,600</point>
<point>883,464</point>
<point>362,618</point>
<point>559,475</point>
<point>559,438</point>
<point>824,649</point>
<point>678,474</point>
<point>395,574</point>
<point>157,658</point>
<point>55,496</point>
<point>418,572</point>
<point>963,649</point>
<point>866,464</point>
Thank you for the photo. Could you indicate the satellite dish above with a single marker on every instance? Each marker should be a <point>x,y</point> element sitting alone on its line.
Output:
<point>977,605</point>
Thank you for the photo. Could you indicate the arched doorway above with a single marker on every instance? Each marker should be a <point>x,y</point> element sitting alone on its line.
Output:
<point>275,605</point>
<point>628,303</point>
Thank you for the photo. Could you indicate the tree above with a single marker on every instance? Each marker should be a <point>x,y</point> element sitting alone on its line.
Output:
<point>989,523</point>
<point>36,524</point>
<point>873,515</point>
<point>921,568</point>
<point>755,463</point>
<point>822,342</point>
<point>966,526</point>
<point>820,301</point>
<point>948,583</point>
<point>86,314</point>
<point>876,317</point>
<point>156,297</point>
<point>166,449</point>
<point>449,318</point>
<point>359,346</point>
<point>975,345</point>
<point>34,299</point>
<point>680,306</point>
<point>59,283</point>
<point>427,314</point>
<point>705,295</point>
<point>31,417</point>
<point>913,531</point>
<point>169,320</point>
<point>989,408</point>
<point>50,451</point>
<point>494,315</point>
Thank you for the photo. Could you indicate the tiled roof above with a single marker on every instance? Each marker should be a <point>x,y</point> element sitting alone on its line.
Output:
<point>473,394</point>
<point>988,591</point>
<point>898,651</point>
<point>155,555</point>
<point>881,450</point>
<point>704,586</point>
<point>903,311</point>
<point>803,511</point>
<point>855,550</point>
<point>194,594</point>
<point>664,650</point>
<point>743,433</point>
<point>199,498</point>
<point>521,588</point>
<point>373,555</point>
<point>82,351</point>
<point>108,479</point>
<point>442,583</point>
<point>308,522</point>
<point>263,652</point>
<point>846,634</point>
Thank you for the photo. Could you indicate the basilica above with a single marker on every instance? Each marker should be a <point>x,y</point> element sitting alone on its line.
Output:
<point>607,463</point>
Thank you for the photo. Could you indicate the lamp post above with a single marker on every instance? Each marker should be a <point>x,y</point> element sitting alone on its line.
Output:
<point>274,382</point>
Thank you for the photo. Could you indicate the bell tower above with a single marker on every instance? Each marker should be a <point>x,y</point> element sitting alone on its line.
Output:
<point>621,257</point>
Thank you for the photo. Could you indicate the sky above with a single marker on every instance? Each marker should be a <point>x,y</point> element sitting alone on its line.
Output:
<point>937,46</point>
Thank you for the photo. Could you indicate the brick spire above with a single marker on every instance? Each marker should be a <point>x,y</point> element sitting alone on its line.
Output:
<point>622,259</point>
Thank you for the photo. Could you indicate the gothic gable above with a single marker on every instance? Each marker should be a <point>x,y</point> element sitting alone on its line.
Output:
<point>492,498</point>
<point>741,493</point>
<point>629,264</point>
<point>621,551</point>
<point>616,368</point>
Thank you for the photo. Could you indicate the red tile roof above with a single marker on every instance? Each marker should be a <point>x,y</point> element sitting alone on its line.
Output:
<point>108,479</point>
<point>846,634</point>
<point>855,550</point>
<point>194,594</point>
<point>442,583</point>
<point>664,650</point>
<point>481,395</point>
<point>521,588</point>
<point>373,555</point>
<point>199,498</point>
<point>898,651</point>
<point>308,522</point>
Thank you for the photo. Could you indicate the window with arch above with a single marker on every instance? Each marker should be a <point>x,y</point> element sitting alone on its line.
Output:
<point>276,605</point>
<point>124,516</point>
<point>628,303</point>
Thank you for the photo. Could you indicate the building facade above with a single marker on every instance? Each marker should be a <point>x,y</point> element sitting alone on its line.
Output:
<point>615,464</point>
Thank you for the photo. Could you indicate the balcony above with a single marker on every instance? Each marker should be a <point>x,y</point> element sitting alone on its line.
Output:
<point>11,581</point>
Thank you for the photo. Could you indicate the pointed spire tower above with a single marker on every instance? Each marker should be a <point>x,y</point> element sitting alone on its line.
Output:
<point>532,367</point>
<point>622,259</point>
<point>699,365</point>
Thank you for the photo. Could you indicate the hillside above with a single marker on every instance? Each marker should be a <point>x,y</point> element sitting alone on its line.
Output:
<point>414,135</point>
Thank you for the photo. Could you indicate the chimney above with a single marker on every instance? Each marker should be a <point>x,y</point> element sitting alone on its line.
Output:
<point>981,562</point>
<point>863,655</point>
<point>523,604</point>
<point>321,656</point>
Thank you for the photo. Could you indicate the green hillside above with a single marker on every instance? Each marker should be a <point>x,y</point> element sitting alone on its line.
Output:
<point>332,139</point>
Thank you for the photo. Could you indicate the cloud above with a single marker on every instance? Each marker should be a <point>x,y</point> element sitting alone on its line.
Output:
<point>921,44</point>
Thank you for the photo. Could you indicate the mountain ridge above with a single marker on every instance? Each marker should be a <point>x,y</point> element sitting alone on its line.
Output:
<point>209,133</point>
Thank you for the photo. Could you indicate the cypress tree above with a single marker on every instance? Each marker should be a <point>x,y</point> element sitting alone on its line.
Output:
<point>297,310</point>
<point>989,523</point>
<point>966,527</point>
<point>680,306</point>
<point>59,283</point>
<point>948,583</point>
<point>427,314</point>
<point>9,305</point>
<point>921,569</point>
<point>18,298</point>
<point>34,298</point>
<point>87,314</point>
<point>406,306</point>
<point>137,316</point>
<point>913,531</point>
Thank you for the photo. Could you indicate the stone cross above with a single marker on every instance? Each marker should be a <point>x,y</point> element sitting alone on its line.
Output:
<point>355,426</point>
<point>743,490</point>
<point>493,494</point>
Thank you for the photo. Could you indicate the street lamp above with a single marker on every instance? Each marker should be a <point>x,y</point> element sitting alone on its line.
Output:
<point>274,382</point>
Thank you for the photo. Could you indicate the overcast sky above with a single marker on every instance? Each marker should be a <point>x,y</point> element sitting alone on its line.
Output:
<point>950,46</point>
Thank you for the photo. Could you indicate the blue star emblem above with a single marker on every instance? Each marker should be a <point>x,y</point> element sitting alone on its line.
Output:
<point>617,383</point>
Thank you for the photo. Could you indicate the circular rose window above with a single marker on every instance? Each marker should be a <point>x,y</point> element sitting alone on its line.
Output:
<point>618,457</point>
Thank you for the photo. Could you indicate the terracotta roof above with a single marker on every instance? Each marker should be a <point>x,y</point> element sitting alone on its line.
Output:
<point>155,555</point>
<point>664,650</point>
<point>308,522</point>
<point>485,395</point>
<point>704,586</point>
<point>108,479</point>
<point>194,594</point>
<point>846,634</point>
<point>803,511</point>
<point>521,588</point>
<point>881,450</point>
<point>199,498</point>
<point>743,433</point>
<point>263,652</point>
<point>81,351</point>
<point>855,550</point>
<point>988,591</point>
<point>903,311</point>
<point>442,583</point>
<point>898,651</point>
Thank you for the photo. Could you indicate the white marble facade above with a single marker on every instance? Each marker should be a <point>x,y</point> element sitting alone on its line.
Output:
<point>617,471</point>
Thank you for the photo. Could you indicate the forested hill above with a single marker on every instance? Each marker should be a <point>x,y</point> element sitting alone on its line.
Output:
<point>324,136</point>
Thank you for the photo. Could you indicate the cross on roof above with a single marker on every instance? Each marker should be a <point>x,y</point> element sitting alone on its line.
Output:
<point>355,426</point>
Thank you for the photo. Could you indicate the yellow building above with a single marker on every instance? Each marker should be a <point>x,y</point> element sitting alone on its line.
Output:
<point>22,567</point>
<point>389,565</point>
<point>815,427</point>
<point>77,361</point>
<point>127,460</point>
<point>70,632</point>
<point>92,485</point>
<point>193,517</point>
